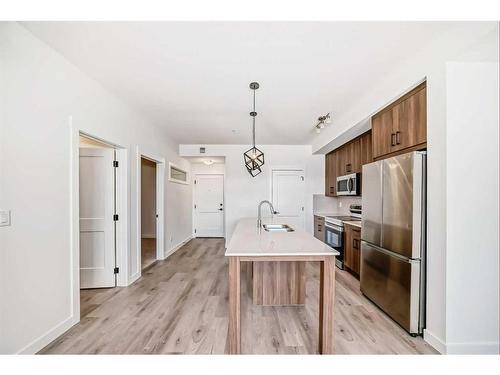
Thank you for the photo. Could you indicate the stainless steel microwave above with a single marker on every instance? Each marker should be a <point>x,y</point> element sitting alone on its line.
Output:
<point>348,184</point>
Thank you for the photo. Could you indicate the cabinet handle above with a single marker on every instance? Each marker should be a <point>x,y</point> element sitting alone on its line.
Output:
<point>397,137</point>
<point>355,244</point>
<point>348,167</point>
<point>393,142</point>
<point>319,228</point>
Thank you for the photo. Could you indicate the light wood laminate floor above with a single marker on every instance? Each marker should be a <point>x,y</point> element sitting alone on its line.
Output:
<point>180,305</point>
<point>148,252</point>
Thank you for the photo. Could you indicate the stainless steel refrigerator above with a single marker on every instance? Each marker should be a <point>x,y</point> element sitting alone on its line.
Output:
<point>393,237</point>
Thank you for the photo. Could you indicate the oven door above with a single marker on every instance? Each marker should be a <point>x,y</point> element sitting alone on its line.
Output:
<point>334,237</point>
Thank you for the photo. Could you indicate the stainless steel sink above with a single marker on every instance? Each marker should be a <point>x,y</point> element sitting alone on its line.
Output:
<point>278,228</point>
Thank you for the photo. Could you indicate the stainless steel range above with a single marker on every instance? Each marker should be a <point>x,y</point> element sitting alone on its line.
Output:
<point>334,231</point>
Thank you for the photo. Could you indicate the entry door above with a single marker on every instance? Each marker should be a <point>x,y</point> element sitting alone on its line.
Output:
<point>209,205</point>
<point>97,227</point>
<point>288,196</point>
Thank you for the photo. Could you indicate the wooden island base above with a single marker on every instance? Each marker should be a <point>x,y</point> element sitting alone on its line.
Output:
<point>326,302</point>
<point>276,283</point>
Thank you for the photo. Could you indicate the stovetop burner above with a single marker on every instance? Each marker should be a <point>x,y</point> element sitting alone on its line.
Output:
<point>344,218</point>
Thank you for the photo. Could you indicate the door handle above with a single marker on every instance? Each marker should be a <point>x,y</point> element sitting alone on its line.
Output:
<point>397,137</point>
<point>221,209</point>
<point>393,141</point>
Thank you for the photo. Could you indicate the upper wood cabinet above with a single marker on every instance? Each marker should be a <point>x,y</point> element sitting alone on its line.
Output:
<point>347,159</point>
<point>366,149</point>
<point>412,125</point>
<point>382,133</point>
<point>330,175</point>
<point>355,157</point>
<point>402,125</point>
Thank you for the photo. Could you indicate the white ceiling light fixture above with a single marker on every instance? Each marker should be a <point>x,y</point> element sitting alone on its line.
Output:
<point>208,162</point>
<point>322,122</point>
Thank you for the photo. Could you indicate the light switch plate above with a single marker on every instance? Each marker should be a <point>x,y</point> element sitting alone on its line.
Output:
<point>4,218</point>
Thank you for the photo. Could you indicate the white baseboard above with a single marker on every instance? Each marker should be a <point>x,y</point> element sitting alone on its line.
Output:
<point>132,279</point>
<point>178,246</point>
<point>49,336</point>
<point>148,236</point>
<point>461,348</point>
<point>434,341</point>
<point>473,348</point>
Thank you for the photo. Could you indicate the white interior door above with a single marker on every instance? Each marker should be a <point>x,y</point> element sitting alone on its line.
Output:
<point>288,196</point>
<point>209,205</point>
<point>97,226</point>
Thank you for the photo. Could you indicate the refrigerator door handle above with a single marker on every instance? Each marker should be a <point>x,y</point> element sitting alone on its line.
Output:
<point>392,254</point>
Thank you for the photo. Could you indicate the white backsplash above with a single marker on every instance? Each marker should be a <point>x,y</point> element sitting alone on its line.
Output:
<point>340,205</point>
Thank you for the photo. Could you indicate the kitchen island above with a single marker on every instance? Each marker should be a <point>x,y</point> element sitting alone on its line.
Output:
<point>252,244</point>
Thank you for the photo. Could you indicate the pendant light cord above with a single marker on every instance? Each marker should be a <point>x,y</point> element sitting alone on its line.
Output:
<point>253,120</point>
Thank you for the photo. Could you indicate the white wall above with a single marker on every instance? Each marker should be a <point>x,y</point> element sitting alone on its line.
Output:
<point>40,90</point>
<point>472,152</point>
<point>243,193</point>
<point>200,168</point>
<point>148,199</point>
<point>476,41</point>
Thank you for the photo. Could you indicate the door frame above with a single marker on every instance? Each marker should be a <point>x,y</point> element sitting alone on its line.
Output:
<point>122,208</point>
<point>223,200</point>
<point>296,168</point>
<point>160,207</point>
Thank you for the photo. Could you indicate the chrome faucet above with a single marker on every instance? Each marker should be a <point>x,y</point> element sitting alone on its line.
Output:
<point>273,212</point>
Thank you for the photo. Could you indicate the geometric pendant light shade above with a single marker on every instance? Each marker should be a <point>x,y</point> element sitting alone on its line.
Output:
<point>254,158</point>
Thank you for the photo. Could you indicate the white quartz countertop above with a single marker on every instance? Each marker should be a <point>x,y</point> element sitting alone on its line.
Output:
<point>247,240</point>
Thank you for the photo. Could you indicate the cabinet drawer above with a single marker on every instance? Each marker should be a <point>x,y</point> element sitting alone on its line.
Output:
<point>319,227</point>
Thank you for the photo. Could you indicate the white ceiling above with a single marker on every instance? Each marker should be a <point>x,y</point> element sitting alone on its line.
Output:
<point>192,77</point>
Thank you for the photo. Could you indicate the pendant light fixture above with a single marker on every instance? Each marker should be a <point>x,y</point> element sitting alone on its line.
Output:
<point>254,158</point>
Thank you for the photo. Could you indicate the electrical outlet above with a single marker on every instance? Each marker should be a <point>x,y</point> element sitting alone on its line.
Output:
<point>4,218</point>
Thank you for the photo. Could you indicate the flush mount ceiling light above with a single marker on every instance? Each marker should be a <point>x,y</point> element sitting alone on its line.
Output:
<point>322,122</point>
<point>254,158</point>
<point>208,162</point>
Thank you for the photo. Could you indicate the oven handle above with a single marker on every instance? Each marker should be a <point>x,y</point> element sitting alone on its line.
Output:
<point>334,227</point>
<point>350,185</point>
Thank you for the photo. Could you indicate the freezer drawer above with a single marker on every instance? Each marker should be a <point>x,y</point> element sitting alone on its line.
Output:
<point>392,282</point>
